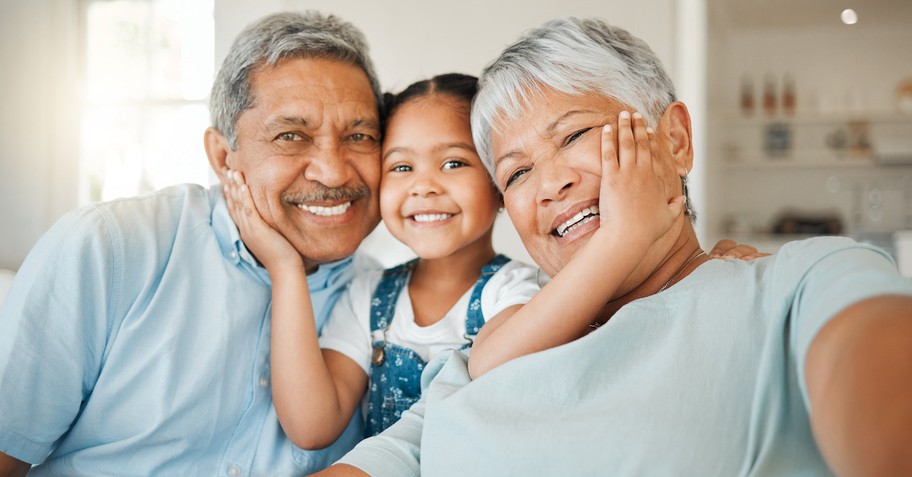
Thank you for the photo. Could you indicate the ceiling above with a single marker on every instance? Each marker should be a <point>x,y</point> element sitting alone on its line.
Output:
<point>810,13</point>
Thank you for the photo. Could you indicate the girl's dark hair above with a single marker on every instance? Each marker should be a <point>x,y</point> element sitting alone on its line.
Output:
<point>459,86</point>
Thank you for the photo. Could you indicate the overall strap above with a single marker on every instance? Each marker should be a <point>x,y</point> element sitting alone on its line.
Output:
<point>383,303</point>
<point>474,316</point>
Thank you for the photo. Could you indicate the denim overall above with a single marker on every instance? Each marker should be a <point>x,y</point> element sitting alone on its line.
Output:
<point>395,381</point>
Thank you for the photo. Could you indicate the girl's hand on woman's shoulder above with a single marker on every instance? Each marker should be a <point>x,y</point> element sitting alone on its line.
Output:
<point>729,249</point>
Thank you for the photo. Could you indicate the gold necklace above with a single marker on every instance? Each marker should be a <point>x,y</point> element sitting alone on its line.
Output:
<point>699,253</point>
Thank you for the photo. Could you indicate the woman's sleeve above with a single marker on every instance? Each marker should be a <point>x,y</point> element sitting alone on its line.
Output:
<point>834,281</point>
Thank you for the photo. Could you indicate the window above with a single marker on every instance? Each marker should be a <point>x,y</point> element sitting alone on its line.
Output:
<point>148,70</point>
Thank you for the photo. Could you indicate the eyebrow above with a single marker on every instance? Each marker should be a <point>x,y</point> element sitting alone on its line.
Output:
<point>549,131</point>
<point>441,147</point>
<point>283,121</point>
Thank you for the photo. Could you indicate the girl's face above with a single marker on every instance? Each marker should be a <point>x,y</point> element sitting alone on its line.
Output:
<point>435,195</point>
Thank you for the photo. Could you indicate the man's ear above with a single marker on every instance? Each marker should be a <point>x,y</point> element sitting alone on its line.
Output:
<point>675,127</point>
<point>217,150</point>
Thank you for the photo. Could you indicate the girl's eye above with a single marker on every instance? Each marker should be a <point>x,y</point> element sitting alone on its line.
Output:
<point>514,176</point>
<point>573,137</point>
<point>453,164</point>
<point>400,168</point>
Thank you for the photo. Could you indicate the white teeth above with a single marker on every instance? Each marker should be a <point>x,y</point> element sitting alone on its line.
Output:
<point>581,217</point>
<point>431,217</point>
<point>326,211</point>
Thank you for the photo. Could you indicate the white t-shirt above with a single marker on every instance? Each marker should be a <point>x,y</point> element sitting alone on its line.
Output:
<point>348,328</point>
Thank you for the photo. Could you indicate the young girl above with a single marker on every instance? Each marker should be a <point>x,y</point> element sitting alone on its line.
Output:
<point>437,198</point>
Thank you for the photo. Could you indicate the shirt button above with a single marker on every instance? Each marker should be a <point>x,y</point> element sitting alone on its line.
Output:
<point>234,470</point>
<point>264,382</point>
<point>233,255</point>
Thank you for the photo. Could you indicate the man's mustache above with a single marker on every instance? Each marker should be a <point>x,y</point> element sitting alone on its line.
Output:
<point>321,193</point>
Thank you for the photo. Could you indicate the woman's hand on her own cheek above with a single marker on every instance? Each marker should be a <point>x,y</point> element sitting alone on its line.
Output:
<point>268,245</point>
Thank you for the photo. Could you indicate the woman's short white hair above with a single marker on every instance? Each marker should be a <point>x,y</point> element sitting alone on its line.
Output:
<point>572,56</point>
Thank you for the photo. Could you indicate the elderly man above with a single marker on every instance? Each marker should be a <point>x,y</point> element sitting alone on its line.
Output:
<point>135,340</point>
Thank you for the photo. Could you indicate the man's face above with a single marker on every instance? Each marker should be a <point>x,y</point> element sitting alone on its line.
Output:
<point>309,149</point>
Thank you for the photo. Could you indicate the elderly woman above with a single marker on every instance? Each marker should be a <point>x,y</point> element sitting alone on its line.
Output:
<point>796,364</point>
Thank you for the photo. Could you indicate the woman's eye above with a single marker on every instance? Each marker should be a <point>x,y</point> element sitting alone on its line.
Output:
<point>400,168</point>
<point>453,164</point>
<point>514,176</point>
<point>573,137</point>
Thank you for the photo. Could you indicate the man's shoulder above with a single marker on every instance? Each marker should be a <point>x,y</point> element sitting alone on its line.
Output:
<point>177,200</point>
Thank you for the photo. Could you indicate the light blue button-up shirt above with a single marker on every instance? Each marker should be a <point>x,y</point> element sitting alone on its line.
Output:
<point>135,341</point>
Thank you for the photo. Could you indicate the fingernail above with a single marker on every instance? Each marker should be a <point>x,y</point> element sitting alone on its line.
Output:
<point>649,130</point>
<point>625,114</point>
<point>637,115</point>
<point>606,129</point>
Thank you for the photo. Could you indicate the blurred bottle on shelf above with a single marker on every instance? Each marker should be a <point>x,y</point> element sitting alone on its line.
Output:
<point>769,95</point>
<point>788,95</point>
<point>747,95</point>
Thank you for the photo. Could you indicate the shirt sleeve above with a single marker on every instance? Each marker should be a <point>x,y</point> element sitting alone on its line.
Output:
<point>56,320</point>
<point>514,284</point>
<point>348,328</point>
<point>836,280</point>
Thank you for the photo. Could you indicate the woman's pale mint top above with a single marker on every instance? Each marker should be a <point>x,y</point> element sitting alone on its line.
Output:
<point>703,379</point>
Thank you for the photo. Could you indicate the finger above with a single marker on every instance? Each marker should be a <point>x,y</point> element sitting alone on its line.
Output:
<point>744,252</point>
<point>721,247</point>
<point>653,147</point>
<point>239,177</point>
<point>626,142</point>
<point>609,152</point>
<point>641,138</point>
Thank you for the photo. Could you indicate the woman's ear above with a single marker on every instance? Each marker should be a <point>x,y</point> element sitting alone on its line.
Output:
<point>675,128</point>
<point>217,150</point>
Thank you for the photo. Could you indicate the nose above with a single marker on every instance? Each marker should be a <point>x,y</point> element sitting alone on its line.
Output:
<point>329,167</point>
<point>555,176</point>
<point>424,184</point>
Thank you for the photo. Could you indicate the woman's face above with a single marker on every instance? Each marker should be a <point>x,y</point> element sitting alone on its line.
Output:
<point>547,163</point>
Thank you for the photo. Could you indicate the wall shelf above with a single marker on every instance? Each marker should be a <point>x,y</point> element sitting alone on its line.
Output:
<point>765,163</point>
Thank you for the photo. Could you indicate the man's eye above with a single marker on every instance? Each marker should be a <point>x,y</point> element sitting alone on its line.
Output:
<point>361,137</point>
<point>573,137</point>
<point>453,164</point>
<point>289,136</point>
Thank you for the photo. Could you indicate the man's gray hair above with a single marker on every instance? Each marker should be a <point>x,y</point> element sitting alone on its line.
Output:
<point>271,39</point>
<point>572,56</point>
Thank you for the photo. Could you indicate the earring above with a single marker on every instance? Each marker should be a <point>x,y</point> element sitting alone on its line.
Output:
<point>688,206</point>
